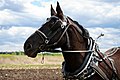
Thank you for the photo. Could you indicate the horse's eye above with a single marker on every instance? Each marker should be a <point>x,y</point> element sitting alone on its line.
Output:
<point>48,19</point>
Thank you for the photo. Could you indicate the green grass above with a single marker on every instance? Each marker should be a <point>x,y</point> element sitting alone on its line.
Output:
<point>6,55</point>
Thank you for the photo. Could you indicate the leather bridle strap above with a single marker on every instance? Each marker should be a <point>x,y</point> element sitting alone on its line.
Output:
<point>46,39</point>
<point>62,35</point>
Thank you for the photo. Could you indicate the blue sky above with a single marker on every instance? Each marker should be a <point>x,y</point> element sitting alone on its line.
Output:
<point>20,18</point>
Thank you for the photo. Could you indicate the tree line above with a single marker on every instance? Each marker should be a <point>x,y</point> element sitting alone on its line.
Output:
<point>15,53</point>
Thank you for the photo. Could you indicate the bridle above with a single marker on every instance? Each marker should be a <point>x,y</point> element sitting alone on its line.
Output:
<point>65,24</point>
<point>64,27</point>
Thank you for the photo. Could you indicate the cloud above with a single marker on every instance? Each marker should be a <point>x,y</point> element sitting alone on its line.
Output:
<point>14,5</point>
<point>13,38</point>
<point>89,13</point>
<point>93,13</point>
<point>110,39</point>
<point>11,5</point>
<point>11,18</point>
<point>19,18</point>
<point>109,1</point>
<point>22,13</point>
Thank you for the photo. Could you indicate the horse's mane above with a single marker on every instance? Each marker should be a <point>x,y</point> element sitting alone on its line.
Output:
<point>85,31</point>
<point>80,26</point>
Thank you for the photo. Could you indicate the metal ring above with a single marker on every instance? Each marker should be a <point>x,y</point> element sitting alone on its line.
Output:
<point>46,41</point>
<point>62,26</point>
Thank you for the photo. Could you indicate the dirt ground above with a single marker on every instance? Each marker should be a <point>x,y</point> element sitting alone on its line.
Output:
<point>30,74</point>
<point>14,67</point>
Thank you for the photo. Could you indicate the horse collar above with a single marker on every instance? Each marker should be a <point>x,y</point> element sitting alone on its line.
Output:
<point>85,71</point>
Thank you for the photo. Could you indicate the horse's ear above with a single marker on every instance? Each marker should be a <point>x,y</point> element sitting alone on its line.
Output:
<point>52,11</point>
<point>59,11</point>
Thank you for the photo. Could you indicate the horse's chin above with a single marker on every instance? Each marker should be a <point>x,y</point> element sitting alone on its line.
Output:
<point>31,54</point>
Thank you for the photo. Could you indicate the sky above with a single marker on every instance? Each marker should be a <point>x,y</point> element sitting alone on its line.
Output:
<point>20,18</point>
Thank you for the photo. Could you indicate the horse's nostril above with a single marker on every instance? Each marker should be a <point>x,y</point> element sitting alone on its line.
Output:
<point>28,46</point>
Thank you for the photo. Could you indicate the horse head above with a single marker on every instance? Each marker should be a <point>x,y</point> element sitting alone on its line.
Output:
<point>51,34</point>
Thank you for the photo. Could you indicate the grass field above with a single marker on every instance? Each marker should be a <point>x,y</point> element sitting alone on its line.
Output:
<point>21,67</point>
<point>9,61</point>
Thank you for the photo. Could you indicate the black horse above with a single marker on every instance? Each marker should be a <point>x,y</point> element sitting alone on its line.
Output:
<point>82,58</point>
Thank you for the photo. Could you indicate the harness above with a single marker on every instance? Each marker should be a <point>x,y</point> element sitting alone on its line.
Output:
<point>90,65</point>
<point>85,71</point>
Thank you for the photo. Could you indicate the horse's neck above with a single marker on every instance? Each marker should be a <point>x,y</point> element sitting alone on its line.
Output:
<point>77,42</point>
